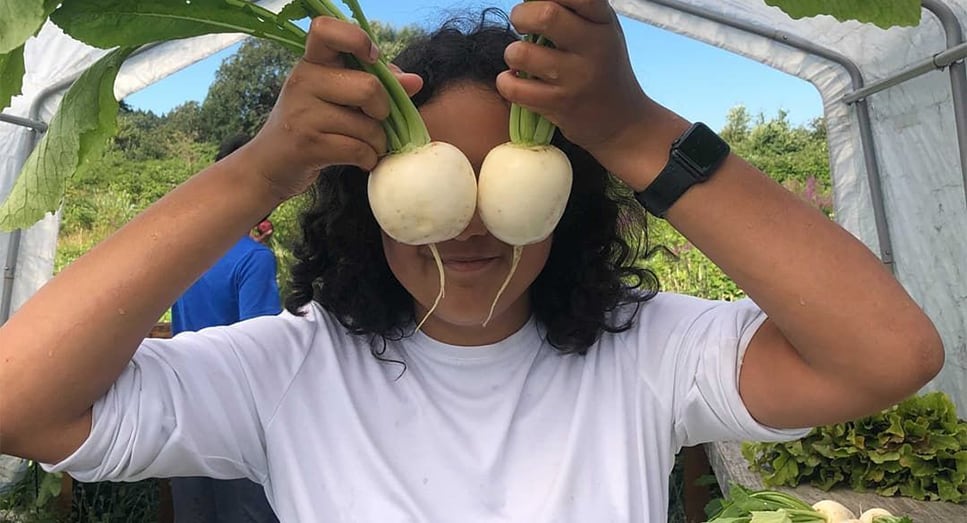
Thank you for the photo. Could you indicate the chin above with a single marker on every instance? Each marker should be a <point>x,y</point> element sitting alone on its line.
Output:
<point>469,315</point>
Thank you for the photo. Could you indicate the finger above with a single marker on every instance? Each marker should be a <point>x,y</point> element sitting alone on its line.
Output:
<point>597,11</point>
<point>536,95</point>
<point>329,37</point>
<point>344,87</point>
<point>412,83</point>
<point>348,151</point>
<point>536,60</point>
<point>560,25</point>
<point>352,124</point>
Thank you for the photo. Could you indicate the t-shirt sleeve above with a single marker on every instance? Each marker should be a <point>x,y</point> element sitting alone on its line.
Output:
<point>258,292</point>
<point>698,357</point>
<point>194,405</point>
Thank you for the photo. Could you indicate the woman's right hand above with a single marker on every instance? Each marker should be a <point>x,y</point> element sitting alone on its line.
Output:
<point>326,113</point>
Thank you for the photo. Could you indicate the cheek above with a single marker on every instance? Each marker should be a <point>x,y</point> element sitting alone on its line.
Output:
<point>404,261</point>
<point>532,262</point>
<point>539,252</point>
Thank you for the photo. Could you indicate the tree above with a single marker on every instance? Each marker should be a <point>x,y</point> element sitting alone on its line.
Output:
<point>737,123</point>
<point>248,83</point>
<point>781,150</point>
<point>245,89</point>
<point>392,41</point>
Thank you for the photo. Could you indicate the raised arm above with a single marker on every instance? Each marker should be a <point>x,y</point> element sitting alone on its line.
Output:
<point>843,338</point>
<point>80,330</point>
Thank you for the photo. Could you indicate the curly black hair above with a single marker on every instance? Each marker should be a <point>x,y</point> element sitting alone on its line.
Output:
<point>591,268</point>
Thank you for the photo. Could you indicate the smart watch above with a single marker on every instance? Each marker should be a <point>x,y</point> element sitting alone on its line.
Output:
<point>694,157</point>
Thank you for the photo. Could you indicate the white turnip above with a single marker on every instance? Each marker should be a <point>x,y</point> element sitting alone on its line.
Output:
<point>833,511</point>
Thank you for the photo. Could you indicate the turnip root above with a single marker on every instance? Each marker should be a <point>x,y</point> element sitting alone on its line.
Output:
<point>424,196</point>
<point>521,195</point>
<point>872,514</point>
<point>522,192</point>
<point>524,184</point>
<point>833,511</point>
<point>423,192</point>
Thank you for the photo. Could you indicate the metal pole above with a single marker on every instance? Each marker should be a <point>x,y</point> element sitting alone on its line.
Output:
<point>13,250</point>
<point>958,75</point>
<point>23,122</point>
<point>939,61</point>
<point>862,110</point>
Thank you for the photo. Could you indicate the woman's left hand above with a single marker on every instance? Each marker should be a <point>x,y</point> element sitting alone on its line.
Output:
<point>585,84</point>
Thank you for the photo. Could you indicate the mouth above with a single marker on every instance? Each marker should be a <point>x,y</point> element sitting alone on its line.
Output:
<point>469,264</point>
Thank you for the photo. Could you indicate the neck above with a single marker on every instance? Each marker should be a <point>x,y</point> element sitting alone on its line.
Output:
<point>472,333</point>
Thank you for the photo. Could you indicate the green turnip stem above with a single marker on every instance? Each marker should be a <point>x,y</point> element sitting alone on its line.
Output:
<point>439,296</point>
<point>515,136</point>
<point>544,132</point>
<point>405,120</point>
<point>360,17</point>
<point>393,140</point>
<point>528,128</point>
<point>518,249</point>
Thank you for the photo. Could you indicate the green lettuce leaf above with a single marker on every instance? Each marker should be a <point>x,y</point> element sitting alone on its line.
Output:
<point>78,133</point>
<point>917,449</point>
<point>112,23</point>
<point>11,75</point>
<point>883,13</point>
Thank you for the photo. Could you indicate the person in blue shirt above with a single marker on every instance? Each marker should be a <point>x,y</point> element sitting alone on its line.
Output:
<point>241,285</point>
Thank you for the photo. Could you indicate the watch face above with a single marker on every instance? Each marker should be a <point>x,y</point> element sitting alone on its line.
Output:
<point>704,149</point>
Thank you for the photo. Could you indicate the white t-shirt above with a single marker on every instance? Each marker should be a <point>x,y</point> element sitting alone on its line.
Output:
<point>513,431</point>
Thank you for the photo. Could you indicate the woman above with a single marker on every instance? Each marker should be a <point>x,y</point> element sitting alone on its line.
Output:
<point>568,406</point>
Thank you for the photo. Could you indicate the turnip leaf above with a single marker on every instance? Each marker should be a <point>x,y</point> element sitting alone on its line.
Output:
<point>85,121</point>
<point>11,75</point>
<point>21,19</point>
<point>883,13</point>
<point>112,23</point>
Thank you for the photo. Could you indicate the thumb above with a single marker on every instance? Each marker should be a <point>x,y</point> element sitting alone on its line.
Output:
<point>412,83</point>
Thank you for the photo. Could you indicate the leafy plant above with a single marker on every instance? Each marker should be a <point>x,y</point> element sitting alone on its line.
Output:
<point>916,449</point>
<point>882,13</point>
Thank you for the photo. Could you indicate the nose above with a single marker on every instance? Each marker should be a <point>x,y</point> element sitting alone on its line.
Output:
<point>476,227</point>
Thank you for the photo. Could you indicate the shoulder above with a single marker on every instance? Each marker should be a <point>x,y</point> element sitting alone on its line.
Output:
<point>667,326</point>
<point>250,252</point>
<point>663,312</point>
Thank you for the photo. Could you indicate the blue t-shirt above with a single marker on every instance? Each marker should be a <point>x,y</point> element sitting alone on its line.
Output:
<point>241,285</point>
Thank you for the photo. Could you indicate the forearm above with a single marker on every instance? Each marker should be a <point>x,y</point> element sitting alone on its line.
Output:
<point>831,298</point>
<point>80,330</point>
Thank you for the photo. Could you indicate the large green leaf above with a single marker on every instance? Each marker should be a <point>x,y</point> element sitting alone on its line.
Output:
<point>112,23</point>
<point>883,13</point>
<point>20,19</point>
<point>11,75</point>
<point>78,133</point>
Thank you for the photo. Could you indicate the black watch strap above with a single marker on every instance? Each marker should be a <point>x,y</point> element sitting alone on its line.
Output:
<point>667,187</point>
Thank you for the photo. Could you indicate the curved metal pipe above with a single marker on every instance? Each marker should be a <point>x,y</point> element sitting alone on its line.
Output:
<point>958,76</point>
<point>13,249</point>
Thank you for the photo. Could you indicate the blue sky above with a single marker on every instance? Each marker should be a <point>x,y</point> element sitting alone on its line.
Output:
<point>698,81</point>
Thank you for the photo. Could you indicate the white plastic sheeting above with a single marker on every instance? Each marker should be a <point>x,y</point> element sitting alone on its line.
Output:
<point>913,127</point>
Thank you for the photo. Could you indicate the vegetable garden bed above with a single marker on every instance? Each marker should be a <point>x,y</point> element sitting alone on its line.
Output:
<point>730,467</point>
